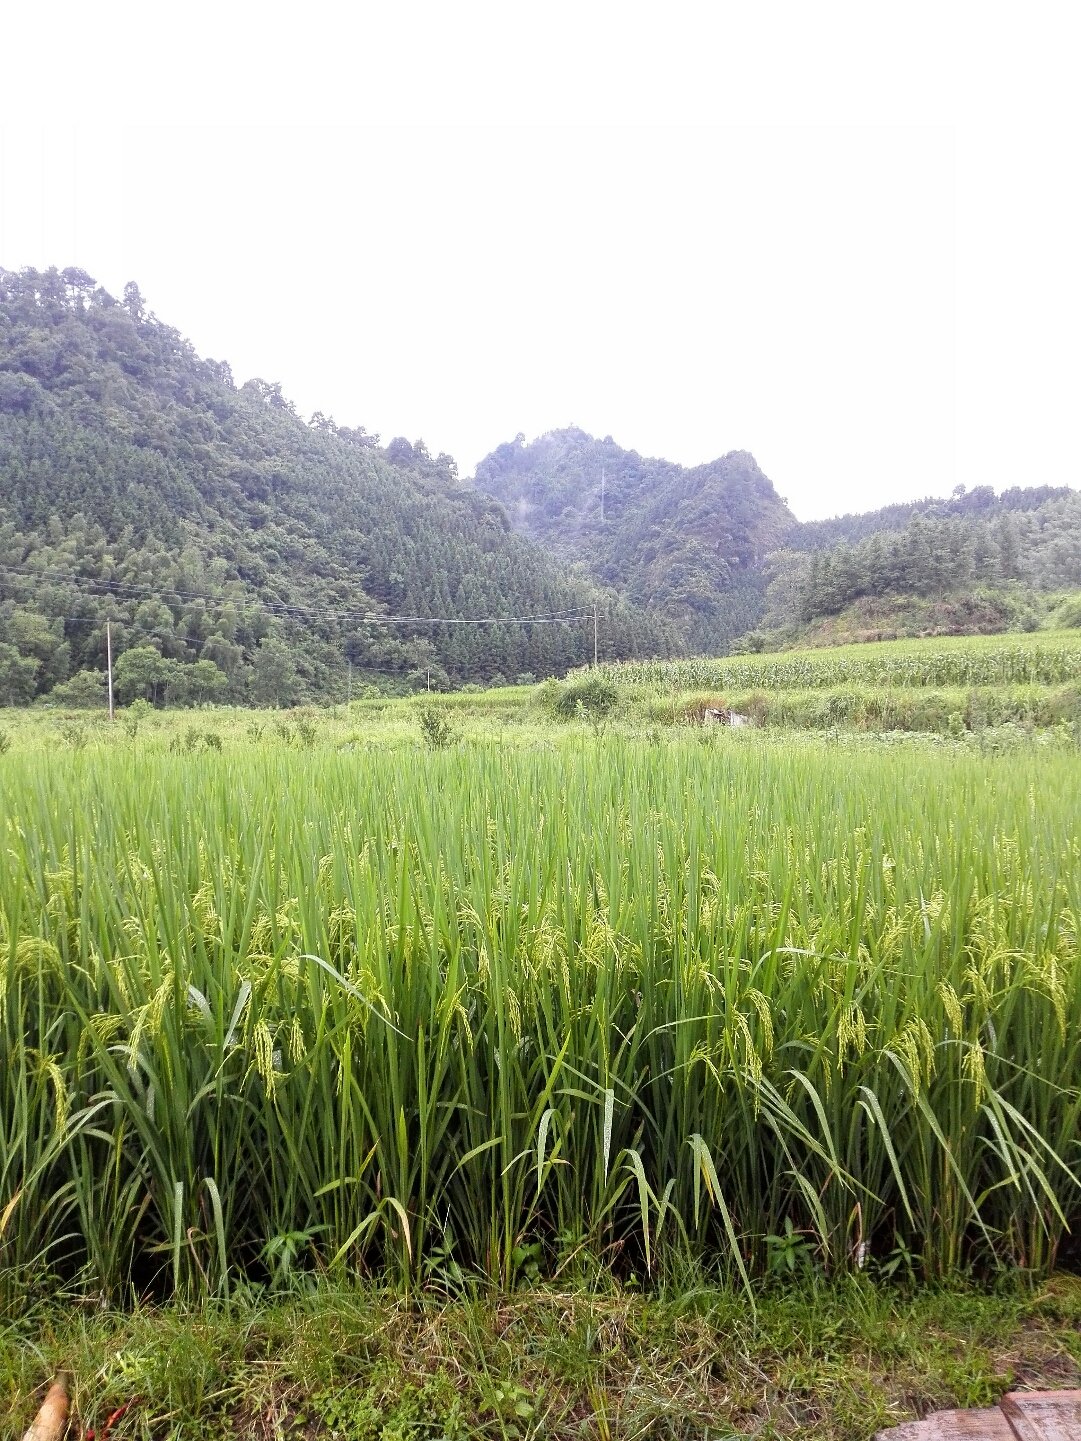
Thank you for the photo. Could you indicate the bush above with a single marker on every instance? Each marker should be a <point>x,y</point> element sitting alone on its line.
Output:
<point>596,696</point>
<point>435,728</point>
<point>547,696</point>
<point>85,689</point>
<point>694,710</point>
<point>133,717</point>
<point>753,643</point>
<point>1068,615</point>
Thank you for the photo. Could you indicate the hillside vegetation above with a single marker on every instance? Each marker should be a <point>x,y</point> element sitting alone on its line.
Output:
<point>974,564</point>
<point>240,554</point>
<point>237,550</point>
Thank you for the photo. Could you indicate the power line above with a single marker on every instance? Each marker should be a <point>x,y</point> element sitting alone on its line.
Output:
<point>569,619</point>
<point>368,617</point>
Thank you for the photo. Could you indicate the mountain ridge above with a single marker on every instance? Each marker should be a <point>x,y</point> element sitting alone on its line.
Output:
<point>686,542</point>
<point>719,553</point>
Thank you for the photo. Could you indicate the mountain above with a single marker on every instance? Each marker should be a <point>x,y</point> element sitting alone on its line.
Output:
<point>688,544</point>
<point>235,550</point>
<point>716,551</point>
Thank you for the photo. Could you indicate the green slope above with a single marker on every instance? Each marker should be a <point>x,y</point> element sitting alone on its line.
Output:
<point>208,523</point>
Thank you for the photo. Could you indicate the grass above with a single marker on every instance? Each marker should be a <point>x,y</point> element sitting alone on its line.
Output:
<point>826,1363</point>
<point>602,1077</point>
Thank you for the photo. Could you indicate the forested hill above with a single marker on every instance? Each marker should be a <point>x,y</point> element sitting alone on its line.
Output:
<point>689,543</point>
<point>238,550</point>
<point>978,504</point>
<point>974,562</point>
<point>717,551</point>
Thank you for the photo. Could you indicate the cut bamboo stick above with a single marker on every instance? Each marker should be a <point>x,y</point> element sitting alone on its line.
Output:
<point>51,1421</point>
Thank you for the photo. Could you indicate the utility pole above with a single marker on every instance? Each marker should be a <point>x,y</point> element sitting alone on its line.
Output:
<point>429,678</point>
<point>109,663</point>
<point>594,637</point>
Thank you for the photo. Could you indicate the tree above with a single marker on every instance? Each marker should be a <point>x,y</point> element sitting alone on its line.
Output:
<point>18,676</point>
<point>139,673</point>
<point>206,682</point>
<point>399,451</point>
<point>1009,548</point>
<point>85,690</point>
<point>133,301</point>
<point>79,284</point>
<point>274,679</point>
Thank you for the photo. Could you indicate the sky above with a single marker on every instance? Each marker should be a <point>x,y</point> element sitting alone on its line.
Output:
<point>843,237</point>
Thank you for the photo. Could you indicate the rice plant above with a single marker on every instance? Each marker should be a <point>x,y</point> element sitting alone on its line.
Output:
<point>509,1012</point>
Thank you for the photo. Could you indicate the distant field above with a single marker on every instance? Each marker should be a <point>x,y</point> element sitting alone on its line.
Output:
<point>961,686</point>
<point>1037,659</point>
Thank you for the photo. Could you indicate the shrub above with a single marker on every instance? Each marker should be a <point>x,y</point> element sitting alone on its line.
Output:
<point>547,696</point>
<point>1068,615</point>
<point>83,690</point>
<point>596,695</point>
<point>133,717</point>
<point>435,728</point>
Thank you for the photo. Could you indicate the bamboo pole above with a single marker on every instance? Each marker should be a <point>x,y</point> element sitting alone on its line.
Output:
<point>51,1421</point>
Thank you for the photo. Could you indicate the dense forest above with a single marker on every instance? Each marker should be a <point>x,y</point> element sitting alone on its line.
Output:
<point>979,503</point>
<point>999,560</point>
<point>689,544</point>
<point>236,550</point>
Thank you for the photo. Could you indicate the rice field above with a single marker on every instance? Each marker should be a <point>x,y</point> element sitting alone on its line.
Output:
<point>517,1012</point>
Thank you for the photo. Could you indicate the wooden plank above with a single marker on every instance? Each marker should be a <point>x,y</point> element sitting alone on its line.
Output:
<point>954,1426</point>
<point>1044,1415</point>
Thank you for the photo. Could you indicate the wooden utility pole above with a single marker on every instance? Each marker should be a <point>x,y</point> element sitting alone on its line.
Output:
<point>109,662</point>
<point>594,637</point>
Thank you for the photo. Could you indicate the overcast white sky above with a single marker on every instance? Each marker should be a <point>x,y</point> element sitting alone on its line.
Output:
<point>844,237</point>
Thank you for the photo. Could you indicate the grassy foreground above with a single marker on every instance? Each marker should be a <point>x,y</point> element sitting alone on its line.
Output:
<point>834,1363</point>
<point>600,1077</point>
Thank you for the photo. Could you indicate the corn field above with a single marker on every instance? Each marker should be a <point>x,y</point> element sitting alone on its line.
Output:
<point>506,1012</point>
<point>963,661</point>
